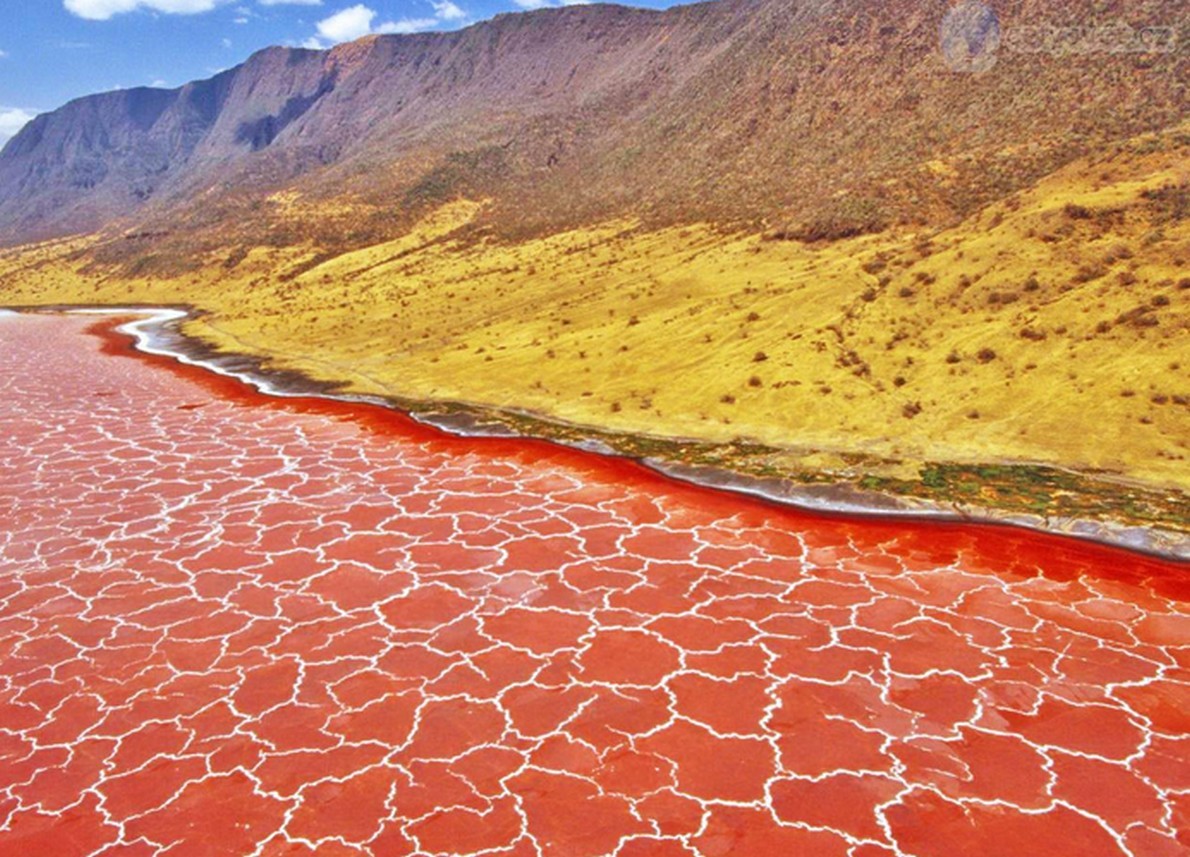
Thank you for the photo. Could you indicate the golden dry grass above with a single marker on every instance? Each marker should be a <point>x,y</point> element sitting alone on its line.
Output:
<point>1051,328</point>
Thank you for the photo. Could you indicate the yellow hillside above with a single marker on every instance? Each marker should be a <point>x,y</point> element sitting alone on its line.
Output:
<point>1051,328</point>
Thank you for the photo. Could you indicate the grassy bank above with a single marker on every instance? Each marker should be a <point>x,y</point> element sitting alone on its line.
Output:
<point>1048,334</point>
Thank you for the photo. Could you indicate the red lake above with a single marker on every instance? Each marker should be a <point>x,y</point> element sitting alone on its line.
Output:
<point>240,624</point>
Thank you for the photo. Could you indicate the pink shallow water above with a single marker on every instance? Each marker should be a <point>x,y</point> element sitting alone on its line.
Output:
<point>232,624</point>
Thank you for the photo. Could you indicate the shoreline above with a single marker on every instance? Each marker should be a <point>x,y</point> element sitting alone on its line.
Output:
<point>157,332</point>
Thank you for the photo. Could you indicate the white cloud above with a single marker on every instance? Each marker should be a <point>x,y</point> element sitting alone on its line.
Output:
<point>357,21</point>
<point>3,54</point>
<point>352,23</point>
<point>101,10</point>
<point>12,120</point>
<point>290,2</point>
<point>447,11</point>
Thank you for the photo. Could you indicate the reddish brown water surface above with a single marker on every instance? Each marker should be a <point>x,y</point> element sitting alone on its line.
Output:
<point>231,625</point>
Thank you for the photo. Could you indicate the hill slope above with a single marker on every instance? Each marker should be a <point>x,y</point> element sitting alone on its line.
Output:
<point>1046,333</point>
<point>738,111</point>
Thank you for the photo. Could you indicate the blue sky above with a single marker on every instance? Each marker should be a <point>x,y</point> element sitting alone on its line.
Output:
<point>54,50</point>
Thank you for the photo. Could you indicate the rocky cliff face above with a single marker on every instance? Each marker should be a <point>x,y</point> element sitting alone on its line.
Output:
<point>817,117</point>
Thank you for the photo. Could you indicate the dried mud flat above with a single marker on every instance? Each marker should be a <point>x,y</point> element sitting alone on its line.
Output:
<point>233,623</point>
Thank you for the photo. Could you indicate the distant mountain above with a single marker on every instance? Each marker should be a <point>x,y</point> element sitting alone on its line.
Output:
<point>817,118</point>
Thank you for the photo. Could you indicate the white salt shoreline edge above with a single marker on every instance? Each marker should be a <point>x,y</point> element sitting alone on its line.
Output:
<point>152,330</point>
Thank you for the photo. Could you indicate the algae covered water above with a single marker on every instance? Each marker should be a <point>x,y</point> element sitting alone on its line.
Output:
<point>239,624</point>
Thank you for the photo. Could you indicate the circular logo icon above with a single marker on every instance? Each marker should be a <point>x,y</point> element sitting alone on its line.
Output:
<point>970,37</point>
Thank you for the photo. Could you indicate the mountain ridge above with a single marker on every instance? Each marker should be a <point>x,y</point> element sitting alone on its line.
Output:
<point>162,132</point>
<point>736,111</point>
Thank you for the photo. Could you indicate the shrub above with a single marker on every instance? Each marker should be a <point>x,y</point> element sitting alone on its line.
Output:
<point>1117,253</point>
<point>1090,273</point>
<point>1172,202</point>
<point>847,217</point>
